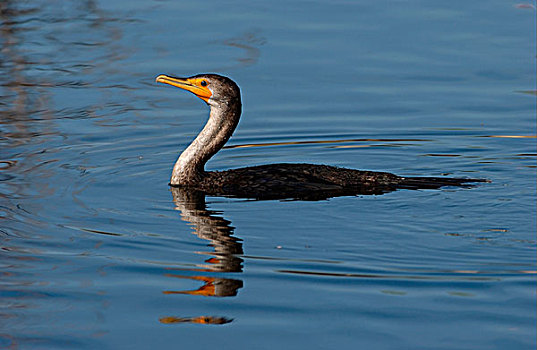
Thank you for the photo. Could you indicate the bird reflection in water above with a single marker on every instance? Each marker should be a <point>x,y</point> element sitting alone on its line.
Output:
<point>219,232</point>
<point>199,320</point>
<point>225,257</point>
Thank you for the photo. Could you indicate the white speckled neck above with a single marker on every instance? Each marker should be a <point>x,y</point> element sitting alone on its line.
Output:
<point>223,119</point>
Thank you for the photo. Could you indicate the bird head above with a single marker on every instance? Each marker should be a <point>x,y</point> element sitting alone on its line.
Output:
<point>214,89</point>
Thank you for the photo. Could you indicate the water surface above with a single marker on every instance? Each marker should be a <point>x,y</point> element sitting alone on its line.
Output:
<point>98,252</point>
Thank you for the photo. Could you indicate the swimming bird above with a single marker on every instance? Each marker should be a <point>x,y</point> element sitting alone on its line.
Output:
<point>272,181</point>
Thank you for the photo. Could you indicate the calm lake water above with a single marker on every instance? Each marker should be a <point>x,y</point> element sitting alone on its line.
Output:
<point>97,252</point>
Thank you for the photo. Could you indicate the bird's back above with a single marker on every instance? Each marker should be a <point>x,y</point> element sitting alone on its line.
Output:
<point>297,181</point>
<point>312,182</point>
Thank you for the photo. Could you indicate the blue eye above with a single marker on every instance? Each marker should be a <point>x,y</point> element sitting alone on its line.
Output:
<point>203,83</point>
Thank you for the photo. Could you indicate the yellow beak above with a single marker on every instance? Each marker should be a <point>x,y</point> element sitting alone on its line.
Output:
<point>192,85</point>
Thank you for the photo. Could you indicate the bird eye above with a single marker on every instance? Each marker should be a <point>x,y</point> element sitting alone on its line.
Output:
<point>203,83</point>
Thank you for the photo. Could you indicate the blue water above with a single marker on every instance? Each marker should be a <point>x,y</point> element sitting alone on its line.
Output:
<point>98,252</point>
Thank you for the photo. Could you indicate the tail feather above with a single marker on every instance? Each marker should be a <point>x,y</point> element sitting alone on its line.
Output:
<point>415,183</point>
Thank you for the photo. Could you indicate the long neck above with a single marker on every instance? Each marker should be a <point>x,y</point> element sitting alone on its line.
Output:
<point>190,166</point>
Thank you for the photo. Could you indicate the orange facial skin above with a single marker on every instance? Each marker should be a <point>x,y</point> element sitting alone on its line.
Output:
<point>197,86</point>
